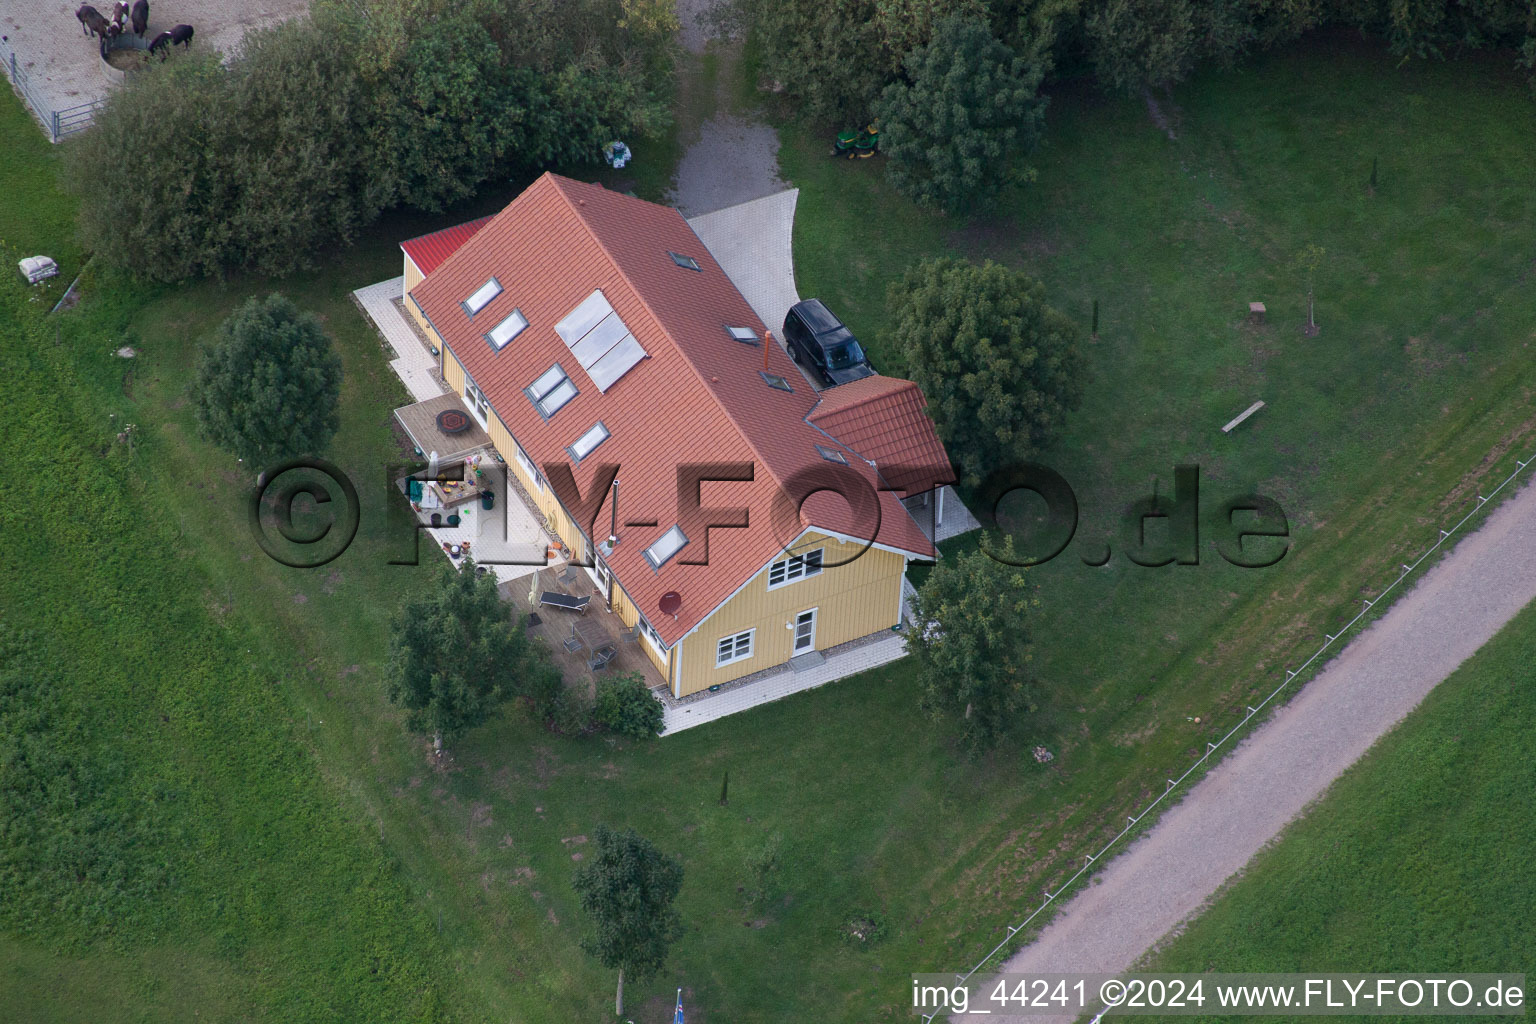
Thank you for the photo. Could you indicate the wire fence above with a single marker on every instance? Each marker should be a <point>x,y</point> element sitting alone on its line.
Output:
<point>58,123</point>
<point>1291,675</point>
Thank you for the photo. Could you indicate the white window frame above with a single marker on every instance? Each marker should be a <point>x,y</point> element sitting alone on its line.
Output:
<point>479,405</point>
<point>795,568</point>
<point>528,467</point>
<point>652,637</point>
<point>815,614</point>
<point>598,430</point>
<point>539,396</point>
<point>674,533</point>
<point>515,317</point>
<point>731,647</point>
<point>493,286</point>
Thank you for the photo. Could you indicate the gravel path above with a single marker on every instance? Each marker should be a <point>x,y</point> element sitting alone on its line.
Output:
<point>1166,876</point>
<point>735,157</point>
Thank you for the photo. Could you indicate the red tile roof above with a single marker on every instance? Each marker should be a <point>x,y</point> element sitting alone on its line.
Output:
<point>884,420</point>
<point>429,251</point>
<point>698,397</point>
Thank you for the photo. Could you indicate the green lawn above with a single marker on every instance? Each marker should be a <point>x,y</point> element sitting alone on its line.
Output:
<point>309,863</point>
<point>1417,860</point>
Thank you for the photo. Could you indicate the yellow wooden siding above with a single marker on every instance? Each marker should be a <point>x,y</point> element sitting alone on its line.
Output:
<point>501,438</point>
<point>625,609</point>
<point>852,600</point>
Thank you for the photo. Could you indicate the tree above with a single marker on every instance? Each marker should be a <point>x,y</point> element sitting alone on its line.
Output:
<point>1001,369</point>
<point>456,655</point>
<point>967,107</point>
<point>1136,44</point>
<point>1306,262</point>
<point>624,705</point>
<point>268,383</point>
<point>627,889</point>
<point>970,640</point>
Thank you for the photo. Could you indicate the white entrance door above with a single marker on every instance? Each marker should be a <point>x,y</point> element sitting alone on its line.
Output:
<point>805,632</point>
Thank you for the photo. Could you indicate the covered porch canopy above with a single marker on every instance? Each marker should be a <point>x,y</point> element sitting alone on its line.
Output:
<point>443,425</point>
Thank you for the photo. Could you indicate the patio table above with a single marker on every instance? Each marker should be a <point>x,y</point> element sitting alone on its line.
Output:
<point>592,633</point>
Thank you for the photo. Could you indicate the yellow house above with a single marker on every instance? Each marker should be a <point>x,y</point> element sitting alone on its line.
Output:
<point>736,515</point>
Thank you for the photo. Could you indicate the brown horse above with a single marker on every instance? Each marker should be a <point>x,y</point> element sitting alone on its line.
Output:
<point>91,21</point>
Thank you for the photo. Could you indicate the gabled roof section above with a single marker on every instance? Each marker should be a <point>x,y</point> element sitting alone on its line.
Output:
<point>429,251</point>
<point>572,255</point>
<point>884,420</point>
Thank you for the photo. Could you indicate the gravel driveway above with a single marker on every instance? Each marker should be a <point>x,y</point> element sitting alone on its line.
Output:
<point>1166,876</point>
<point>62,64</point>
<point>734,157</point>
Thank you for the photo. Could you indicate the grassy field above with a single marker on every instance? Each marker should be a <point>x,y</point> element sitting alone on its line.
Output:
<point>1417,860</point>
<point>306,861</point>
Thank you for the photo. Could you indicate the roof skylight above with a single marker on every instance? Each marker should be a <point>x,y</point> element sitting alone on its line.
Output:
<point>686,262</point>
<point>587,443</point>
<point>742,334</point>
<point>599,340</point>
<point>775,381</point>
<point>482,297</point>
<point>551,391</point>
<point>831,454</point>
<point>508,329</point>
<point>669,544</point>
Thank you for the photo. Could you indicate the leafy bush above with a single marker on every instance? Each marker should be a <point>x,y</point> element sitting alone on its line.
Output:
<point>269,382</point>
<point>968,106</point>
<point>1000,368</point>
<point>317,124</point>
<point>625,706</point>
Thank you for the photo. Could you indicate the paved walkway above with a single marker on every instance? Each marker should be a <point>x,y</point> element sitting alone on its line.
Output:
<point>753,243</point>
<point>413,363</point>
<point>1166,876</point>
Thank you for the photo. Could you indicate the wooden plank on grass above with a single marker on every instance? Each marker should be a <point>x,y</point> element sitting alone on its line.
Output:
<point>1255,407</point>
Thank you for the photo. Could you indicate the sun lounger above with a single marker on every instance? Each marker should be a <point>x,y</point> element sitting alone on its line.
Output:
<point>558,600</point>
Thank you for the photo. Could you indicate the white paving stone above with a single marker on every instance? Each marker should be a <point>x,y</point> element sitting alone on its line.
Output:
<point>414,364</point>
<point>785,681</point>
<point>752,242</point>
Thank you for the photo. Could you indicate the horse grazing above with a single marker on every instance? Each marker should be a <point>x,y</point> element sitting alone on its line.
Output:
<point>91,21</point>
<point>140,17</point>
<point>182,35</point>
<point>161,44</point>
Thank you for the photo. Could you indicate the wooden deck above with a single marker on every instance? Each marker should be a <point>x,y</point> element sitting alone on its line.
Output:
<point>420,423</point>
<point>598,624</point>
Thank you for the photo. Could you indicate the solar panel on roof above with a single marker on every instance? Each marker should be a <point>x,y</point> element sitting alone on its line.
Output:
<point>587,315</point>
<point>599,340</point>
<point>619,361</point>
<point>597,337</point>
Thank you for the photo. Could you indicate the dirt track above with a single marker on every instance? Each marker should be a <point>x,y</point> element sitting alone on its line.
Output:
<point>1165,877</point>
<point>63,65</point>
